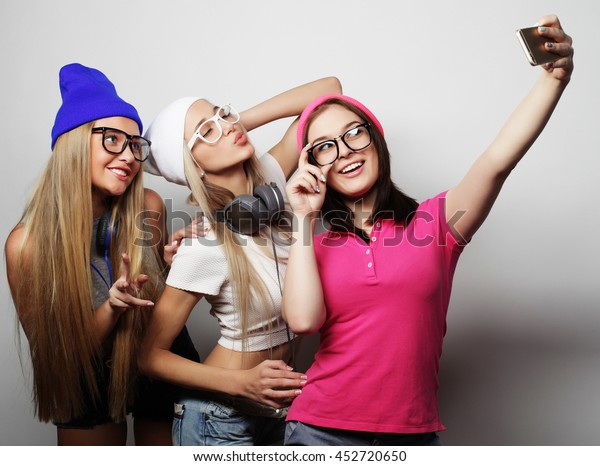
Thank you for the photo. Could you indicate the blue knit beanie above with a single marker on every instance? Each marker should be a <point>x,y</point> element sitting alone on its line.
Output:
<point>88,95</point>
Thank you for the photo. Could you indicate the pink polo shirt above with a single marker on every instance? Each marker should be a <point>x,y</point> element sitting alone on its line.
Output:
<point>376,368</point>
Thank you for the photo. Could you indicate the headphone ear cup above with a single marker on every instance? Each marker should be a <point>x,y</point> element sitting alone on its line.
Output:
<point>244,215</point>
<point>104,234</point>
<point>248,214</point>
<point>272,199</point>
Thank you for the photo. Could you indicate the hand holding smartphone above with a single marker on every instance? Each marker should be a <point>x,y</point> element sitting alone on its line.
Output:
<point>534,46</point>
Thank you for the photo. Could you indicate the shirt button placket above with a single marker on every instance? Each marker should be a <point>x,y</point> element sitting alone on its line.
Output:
<point>370,264</point>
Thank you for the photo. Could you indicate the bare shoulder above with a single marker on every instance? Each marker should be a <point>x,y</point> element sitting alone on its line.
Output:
<point>18,257</point>
<point>13,245</point>
<point>152,201</point>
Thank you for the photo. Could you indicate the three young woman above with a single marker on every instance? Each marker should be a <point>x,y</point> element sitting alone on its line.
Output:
<point>377,284</point>
<point>84,272</point>
<point>238,395</point>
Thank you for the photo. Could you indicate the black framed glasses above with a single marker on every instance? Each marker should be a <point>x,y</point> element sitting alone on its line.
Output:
<point>116,141</point>
<point>326,152</point>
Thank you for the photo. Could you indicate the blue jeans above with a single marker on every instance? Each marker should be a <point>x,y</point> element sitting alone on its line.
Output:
<point>200,421</point>
<point>298,433</point>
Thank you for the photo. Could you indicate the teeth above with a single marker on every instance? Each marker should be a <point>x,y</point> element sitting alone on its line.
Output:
<point>352,167</point>
<point>118,171</point>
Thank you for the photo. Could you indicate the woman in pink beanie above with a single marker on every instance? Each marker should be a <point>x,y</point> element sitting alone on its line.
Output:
<point>376,285</point>
<point>89,216</point>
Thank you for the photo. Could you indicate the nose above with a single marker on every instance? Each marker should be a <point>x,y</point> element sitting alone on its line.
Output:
<point>127,155</point>
<point>227,127</point>
<point>343,149</point>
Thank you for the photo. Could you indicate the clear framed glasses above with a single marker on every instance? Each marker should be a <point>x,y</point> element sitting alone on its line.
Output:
<point>210,131</point>
<point>326,152</point>
<point>116,141</point>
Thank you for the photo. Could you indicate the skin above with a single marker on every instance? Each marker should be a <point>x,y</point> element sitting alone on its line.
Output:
<point>470,201</point>
<point>253,374</point>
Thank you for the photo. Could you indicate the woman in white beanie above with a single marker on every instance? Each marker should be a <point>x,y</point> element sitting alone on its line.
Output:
<point>86,219</point>
<point>239,395</point>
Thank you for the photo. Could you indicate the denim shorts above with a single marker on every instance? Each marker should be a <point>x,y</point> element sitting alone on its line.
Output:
<point>298,433</point>
<point>199,421</point>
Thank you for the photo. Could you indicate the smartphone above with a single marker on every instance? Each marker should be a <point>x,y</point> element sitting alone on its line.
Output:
<point>533,46</point>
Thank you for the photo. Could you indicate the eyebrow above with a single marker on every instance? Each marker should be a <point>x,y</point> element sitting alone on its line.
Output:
<point>344,129</point>
<point>215,108</point>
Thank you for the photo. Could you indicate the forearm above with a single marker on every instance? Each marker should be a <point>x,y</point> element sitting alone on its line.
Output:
<point>303,305</point>
<point>289,103</point>
<point>524,125</point>
<point>105,319</point>
<point>164,365</point>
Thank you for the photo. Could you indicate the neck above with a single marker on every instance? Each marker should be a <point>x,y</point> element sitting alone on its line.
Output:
<point>98,204</point>
<point>235,180</point>
<point>362,209</point>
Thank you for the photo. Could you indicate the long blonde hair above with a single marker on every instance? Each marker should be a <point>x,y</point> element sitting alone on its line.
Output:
<point>249,290</point>
<point>67,356</point>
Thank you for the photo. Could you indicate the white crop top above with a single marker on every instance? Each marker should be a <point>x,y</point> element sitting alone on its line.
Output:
<point>200,266</point>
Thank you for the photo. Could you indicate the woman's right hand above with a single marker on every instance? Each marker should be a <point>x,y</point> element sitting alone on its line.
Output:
<point>195,229</point>
<point>124,293</point>
<point>306,188</point>
<point>272,383</point>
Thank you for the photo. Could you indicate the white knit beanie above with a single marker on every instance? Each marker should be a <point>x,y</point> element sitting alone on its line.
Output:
<point>166,135</point>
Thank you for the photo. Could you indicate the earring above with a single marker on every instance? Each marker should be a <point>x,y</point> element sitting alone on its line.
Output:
<point>202,174</point>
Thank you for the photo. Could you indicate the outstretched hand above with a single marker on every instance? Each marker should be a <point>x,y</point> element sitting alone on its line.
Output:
<point>559,43</point>
<point>272,383</point>
<point>124,293</point>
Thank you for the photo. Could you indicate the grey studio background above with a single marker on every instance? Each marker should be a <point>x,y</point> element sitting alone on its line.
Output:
<point>522,355</point>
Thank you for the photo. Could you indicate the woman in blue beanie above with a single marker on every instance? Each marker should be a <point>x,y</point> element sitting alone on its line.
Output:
<point>90,216</point>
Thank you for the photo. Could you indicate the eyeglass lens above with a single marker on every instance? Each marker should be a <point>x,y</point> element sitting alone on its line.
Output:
<point>210,131</point>
<point>357,138</point>
<point>115,142</point>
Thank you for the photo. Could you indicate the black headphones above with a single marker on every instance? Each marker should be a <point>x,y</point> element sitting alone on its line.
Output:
<point>248,214</point>
<point>104,233</point>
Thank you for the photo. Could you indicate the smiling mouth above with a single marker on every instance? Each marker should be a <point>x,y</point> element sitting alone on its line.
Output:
<point>353,166</point>
<point>119,171</point>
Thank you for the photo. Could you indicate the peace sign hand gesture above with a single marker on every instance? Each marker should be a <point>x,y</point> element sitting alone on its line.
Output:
<point>123,294</point>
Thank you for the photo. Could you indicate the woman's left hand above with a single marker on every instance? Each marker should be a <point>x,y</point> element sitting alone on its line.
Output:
<point>561,44</point>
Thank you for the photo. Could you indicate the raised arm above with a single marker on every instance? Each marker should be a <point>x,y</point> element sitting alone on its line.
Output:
<point>473,198</point>
<point>303,306</point>
<point>271,382</point>
<point>288,104</point>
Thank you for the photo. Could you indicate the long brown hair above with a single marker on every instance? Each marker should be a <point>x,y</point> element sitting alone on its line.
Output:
<point>67,356</point>
<point>390,201</point>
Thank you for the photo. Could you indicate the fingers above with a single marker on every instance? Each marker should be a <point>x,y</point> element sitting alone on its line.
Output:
<point>549,20</point>
<point>124,301</point>
<point>196,228</point>
<point>550,27</point>
<point>140,280</point>
<point>121,299</point>
<point>122,293</point>
<point>310,178</point>
<point>558,42</point>
<point>303,159</point>
<point>125,270</point>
